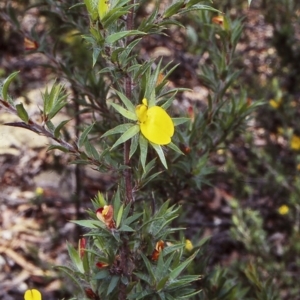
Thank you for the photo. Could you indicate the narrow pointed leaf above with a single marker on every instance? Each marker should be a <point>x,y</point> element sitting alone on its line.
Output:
<point>119,35</point>
<point>178,121</point>
<point>143,150</point>
<point>127,135</point>
<point>119,217</point>
<point>59,127</point>
<point>6,84</point>
<point>175,148</point>
<point>118,129</point>
<point>160,153</point>
<point>22,113</point>
<point>134,145</point>
<point>176,272</point>
<point>129,105</point>
<point>84,135</point>
<point>113,284</point>
<point>124,112</point>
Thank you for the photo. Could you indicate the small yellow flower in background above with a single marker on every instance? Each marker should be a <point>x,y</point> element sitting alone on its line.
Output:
<point>188,245</point>
<point>32,295</point>
<point>280,130</point>
<point>155,124</point>
<point>283,209</point>
<point>295,142</point>
<point>39,191</point>
<point>275,103</point>
<point>298,167</point>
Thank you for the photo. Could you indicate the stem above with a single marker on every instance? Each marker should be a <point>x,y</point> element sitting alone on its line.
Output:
<point>128,93</point>
<point>124,249</point>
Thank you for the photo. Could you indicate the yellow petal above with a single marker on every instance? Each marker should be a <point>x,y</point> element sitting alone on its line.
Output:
<point>32,295</point>
<point>157,126</point>
<point>141,112</point>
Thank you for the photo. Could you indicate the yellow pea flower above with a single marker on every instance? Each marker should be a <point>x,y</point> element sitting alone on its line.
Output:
<point>188,245</point>
<point>155,124</point>
<point>295,142</point>
<point>275,103</point>
<point>32,295</point>
<point>283,209</point>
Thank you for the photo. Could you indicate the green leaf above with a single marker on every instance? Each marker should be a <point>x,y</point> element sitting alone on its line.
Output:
<point>119,35</point>
<point>119,217</point>
<point>134,145</point>
<point>131,219</point>
<point>112,285</point>
<point>84,135</point>
<point>127,135</point>
<point>91,150</point>
<point>175,148</point>
<point>129,105</point>
<point>161,284</point>
<point>70,273</point>
<point>178,121</point>
<point>92,8</point>
<point>143,150</point>
<point>149,267</point>
<point>22,113</point>
<point>59,127</point>
<point>116,202</point>
<point>50,126</point>
<point>58,147</point>
<point>54,101</point>
<point>173,9</point>
<point>124,112</point>
<point>6,84</point>
<point>93,224</point>
<point>102,274</point>
<point>199,7</point>
<point>118,129</point>
<point>176,272</point>
<point>96,53</point>
<point>160,153</point>
<point>74,255</point>
<point>126,228</point>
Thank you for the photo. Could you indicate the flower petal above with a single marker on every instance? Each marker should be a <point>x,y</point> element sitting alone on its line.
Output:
<point>32,295</point>
<point>158,127</point>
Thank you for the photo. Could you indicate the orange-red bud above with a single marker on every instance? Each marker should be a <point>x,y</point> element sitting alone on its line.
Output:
<point>160,245</point>
<point>106,214</point>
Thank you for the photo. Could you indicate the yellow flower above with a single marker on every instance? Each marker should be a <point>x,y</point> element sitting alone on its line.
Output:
<point>298,167</point>
<point>188,245</point>
<point>275,103</point>
<point>155,124</point>
<point>295,142</point>
<point>32,295</point>
<point>283,209</point>
<point>39,191</point>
